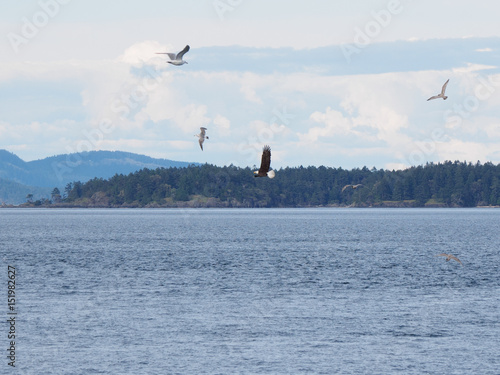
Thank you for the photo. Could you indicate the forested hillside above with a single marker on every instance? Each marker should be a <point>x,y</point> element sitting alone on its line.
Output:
<point>449,184</point>
<point>15,193</point>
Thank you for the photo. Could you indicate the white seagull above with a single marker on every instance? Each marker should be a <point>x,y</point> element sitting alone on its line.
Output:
<point>176,59</point>
<point>442,95</point>
<point>449,256</point>
<point>201,137</point>
<point>353,186</point>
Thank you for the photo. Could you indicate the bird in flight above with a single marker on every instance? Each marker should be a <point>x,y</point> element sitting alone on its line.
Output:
<point>265,164</point>
<point>353,186</point>
<point>201,137</point>
<point>176,59</point>
<point>449,256</point>
<point>442,95</point>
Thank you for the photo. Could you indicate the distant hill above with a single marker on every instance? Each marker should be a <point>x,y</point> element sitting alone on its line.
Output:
<point>15,193</point>
<point>58,171</point>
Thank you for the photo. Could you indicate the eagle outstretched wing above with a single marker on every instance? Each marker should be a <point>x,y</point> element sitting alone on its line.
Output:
<point>265,163</point>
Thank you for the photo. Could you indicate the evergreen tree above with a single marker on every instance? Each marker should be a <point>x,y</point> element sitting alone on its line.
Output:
<point>453,184</point>
<point>56,195</point>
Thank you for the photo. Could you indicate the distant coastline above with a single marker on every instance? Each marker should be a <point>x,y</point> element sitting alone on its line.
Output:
<point>448,184</point>
<point>213,203</point>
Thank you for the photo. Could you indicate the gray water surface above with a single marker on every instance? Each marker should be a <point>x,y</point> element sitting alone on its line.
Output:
<point>257,291</point>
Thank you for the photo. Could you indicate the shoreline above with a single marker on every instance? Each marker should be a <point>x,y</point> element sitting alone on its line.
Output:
<point>187,205</point>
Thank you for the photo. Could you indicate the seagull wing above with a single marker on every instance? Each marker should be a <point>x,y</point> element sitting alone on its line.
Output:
<point>455,258</point>
<point>433,97</point>
<point>202,132</point>
<point>170,55</point>
<point>200,141</point>
<point>442,255</point>
<point>265,163</point>
<point>345,187</point>
<point>444,87</point>
<point>356,186</point>
<point>180,54</point>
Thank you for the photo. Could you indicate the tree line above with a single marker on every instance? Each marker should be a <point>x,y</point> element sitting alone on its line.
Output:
<point>448,184</point>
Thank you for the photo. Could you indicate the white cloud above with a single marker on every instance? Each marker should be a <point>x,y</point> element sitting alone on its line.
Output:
<point>46,136</point>
<point>461,150</point>
<point>249,84</point>
<point>396,166</point>
<point>143,51</point>
<point>493,129</point>
<point>163,101</point>
<point>369,115</point>
<point>469,68</point>
<point>326,118</point>
<point>335,123</point>
<point>191,117</point>
<point>223,125</point>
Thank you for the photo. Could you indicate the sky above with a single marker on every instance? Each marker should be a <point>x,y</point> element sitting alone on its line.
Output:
<point>336,83</point>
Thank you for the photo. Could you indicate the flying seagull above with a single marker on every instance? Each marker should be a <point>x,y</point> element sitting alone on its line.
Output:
<point>353,186</point>
<point>442,95</point>
<point>176,59</point>
<point>450,256</point>
<point>201,137</point>
<point>265,164</point>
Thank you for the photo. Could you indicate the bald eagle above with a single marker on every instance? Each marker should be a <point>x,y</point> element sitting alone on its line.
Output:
<point>265,164</point>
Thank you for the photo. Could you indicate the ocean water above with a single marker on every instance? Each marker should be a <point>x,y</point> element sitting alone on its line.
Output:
<point>257,291</point>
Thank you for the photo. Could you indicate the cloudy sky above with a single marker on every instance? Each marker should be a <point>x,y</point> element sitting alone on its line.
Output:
<point>338,83</point>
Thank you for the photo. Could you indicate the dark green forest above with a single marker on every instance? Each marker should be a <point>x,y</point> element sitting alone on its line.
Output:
<point>448,184</point>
